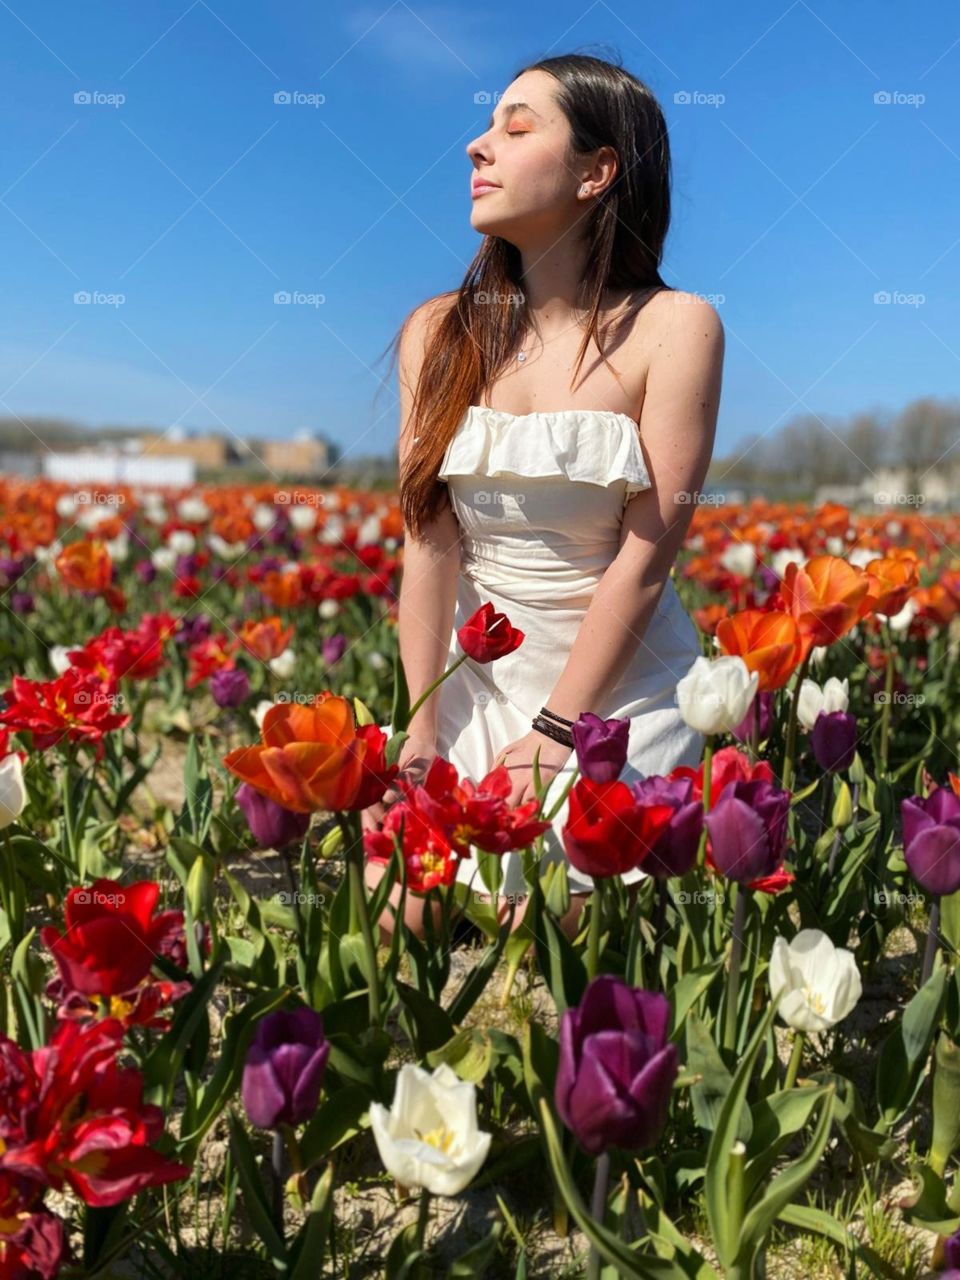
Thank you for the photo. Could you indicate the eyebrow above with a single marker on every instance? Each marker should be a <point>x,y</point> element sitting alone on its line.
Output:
<point>511,109</point>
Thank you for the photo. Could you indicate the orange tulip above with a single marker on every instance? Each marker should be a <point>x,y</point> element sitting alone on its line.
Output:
<point>825,598</point>
<point>935,603</point>
<point>891,582</point>
<point>85,565</point>
<point>769,642</point>
<point>265,639</point>
<point>314,757</point>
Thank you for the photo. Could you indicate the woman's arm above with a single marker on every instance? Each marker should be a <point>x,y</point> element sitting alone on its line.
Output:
<point>431,564</point>
<point>677,424</point>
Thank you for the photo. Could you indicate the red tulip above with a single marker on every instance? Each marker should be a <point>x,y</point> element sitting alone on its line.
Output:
<point>609,831</point>
<point>112,936</point>
<point>71,1115</point>
<point>488,635</point>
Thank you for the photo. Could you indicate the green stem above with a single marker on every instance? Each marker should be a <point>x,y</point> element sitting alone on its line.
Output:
<point>933,941</point>
<point>796,1057</point>
<point>733,978</point>
<point>596,922</point>
<point>423,1217</point>
<point>707,771</point>
<point>791,745</point>
<point>353,843</point>
<point>885,714</point>
<point>598,1206</point>
<point>436,684</point>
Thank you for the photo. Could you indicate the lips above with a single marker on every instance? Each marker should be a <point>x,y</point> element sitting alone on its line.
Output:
<point>479,188</point>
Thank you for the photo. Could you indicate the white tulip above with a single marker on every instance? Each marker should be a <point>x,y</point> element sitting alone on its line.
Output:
<point>13,793</point>
<point>328,609</point>
<point>264,516</point>
<point>181,542</point>
<point>58,656</point>
<point>429,1137</point>
<point>261,710</point>
<point>283,665</point>
<point>302,517</point>
<point>716,694</point>
<point>65,506</point>
<point>814,983</point>
<point>740,557</point>
<point>193,510</point>
<point>163,559</point>
<point>786,555</point>
<point>834,696</point>
<point>901,621</point>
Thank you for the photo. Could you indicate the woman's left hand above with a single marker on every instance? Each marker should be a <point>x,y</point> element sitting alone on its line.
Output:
<point>518,758</point>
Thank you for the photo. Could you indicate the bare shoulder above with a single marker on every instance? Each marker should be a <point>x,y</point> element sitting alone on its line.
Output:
<point>681,322</point>
<point>422,320</point>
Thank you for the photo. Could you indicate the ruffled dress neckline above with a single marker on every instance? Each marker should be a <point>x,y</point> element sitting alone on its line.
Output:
<point>592,446</point>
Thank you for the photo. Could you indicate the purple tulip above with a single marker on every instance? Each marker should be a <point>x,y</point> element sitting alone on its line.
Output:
<point>601,746</point>
<point>951,1252</point>
<point>834,740</point>
<point>272,826</point>
<point>21,602</point>
<point>284,1067</point>
<point>617,1067</point>
<point>675,849</point>
<point>762,705</point>
<point>931,839</point>
<point>146,571</point>
<point>333,649</point>
<point>230,686</point>
<point>748,829</point>
<point>193,629</point>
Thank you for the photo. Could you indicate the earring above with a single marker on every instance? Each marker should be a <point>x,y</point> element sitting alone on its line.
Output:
<point>581,189</point>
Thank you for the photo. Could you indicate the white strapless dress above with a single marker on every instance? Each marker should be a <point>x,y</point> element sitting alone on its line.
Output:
<point>540,499</point>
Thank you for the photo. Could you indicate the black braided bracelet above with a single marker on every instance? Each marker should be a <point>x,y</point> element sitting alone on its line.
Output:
<point>553,731</point>
<point>552,715</point>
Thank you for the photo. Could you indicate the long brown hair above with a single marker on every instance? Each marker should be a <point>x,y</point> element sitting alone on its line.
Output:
<point>480,331</point>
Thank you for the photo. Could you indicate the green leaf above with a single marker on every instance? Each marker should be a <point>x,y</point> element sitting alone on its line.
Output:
<point>724,1220</point>
<point>337,1119</point>
<point>310,1245</point>
<point>904,1053</point>
<point>255,1198</point>
<point>786,1184</point>
<point>475,1261</point>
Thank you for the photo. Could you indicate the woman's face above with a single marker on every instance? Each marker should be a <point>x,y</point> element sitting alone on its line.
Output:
<point>525,154</point>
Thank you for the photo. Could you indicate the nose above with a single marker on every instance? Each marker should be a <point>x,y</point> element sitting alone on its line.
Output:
<point>478,149</point>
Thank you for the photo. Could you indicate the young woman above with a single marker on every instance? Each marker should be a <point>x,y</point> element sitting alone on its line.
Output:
<point>557,421</point>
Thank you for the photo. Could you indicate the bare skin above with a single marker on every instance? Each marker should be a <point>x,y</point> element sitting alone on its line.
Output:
<point>663,370</point>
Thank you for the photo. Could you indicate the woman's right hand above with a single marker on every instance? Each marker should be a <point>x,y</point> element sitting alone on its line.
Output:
<point>416,756</point>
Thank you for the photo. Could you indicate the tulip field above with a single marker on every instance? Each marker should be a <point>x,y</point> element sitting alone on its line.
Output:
<point>225,1051</point>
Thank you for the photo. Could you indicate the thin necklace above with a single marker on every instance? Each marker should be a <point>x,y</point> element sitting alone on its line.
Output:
<point>522,355</point>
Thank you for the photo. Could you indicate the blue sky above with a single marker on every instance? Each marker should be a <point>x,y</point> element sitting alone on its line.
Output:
<point>797,198</point>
